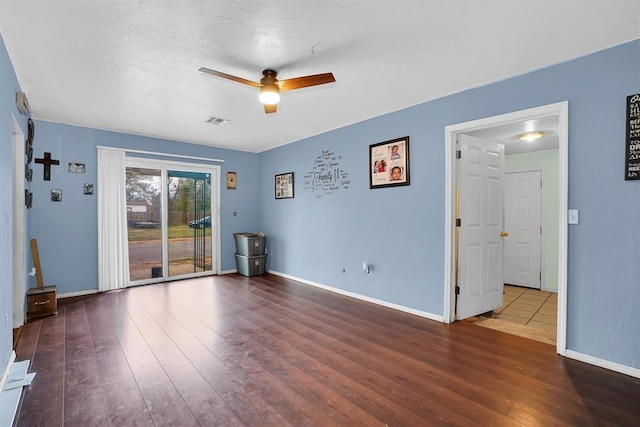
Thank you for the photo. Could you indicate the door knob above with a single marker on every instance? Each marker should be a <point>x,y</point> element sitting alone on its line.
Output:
<point>504,234</point>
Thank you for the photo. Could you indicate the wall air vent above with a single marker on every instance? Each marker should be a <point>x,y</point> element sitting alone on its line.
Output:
<point>217,121</point>
<point>22,103</point>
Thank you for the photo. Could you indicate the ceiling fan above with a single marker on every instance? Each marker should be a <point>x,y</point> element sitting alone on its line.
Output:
<point>270,86</point>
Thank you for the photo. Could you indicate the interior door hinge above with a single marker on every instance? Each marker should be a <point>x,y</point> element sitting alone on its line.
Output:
<point>540,229</point>
<point>458,222</point>
<point>540,183</point>
<point>457,290</point>
<point>458,154</point>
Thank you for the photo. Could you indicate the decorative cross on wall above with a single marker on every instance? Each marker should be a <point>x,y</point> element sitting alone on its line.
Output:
<point>47,161</point>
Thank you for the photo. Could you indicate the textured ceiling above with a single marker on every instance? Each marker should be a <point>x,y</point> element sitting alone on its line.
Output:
<point>132,66</point>
<point>508,134</point>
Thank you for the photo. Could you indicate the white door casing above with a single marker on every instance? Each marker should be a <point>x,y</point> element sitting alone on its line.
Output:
<point>522,220</point>
<point>558,110</point>
<point>480,246</point>
<point>18,239</point>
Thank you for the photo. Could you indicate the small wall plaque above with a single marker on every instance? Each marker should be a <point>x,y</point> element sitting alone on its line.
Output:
<point>56,195</point>
<point>231,180</point>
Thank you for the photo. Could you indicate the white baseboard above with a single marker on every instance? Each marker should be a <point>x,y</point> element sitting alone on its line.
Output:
<point>7,368</point>
<point>77,294</point>
<point>430,316</point>
<point>612,366</point>
<point>229,271</point>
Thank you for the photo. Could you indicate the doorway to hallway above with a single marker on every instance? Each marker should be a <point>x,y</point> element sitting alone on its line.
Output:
<point>555,112</point>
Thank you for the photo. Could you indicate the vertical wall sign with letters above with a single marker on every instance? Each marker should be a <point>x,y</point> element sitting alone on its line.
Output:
<point>632,153</point>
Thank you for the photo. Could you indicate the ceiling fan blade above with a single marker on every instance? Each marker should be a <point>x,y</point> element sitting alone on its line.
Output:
<point>270,108</point>
<point>306,81</point>
<point>229,77</point>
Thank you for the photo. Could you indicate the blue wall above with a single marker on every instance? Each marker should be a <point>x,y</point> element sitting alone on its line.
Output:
<point>67,231</point>
<point>401,230</point>
<point>8,88</point>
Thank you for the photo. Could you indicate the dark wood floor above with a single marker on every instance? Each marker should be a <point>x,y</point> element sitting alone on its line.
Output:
<point>232,350</point>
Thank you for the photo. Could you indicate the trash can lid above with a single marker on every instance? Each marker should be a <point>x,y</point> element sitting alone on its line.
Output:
<point>245,234</point>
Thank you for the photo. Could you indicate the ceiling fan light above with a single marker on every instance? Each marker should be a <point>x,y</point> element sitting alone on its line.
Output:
<point>269,94</point>
<point>531,136</point>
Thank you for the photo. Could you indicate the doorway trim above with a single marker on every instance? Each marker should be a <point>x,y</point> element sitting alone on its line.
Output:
<point>561,110</point>
<point>18,227</point>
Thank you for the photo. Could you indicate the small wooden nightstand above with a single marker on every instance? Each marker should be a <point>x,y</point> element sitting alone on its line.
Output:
<point>41,302</point>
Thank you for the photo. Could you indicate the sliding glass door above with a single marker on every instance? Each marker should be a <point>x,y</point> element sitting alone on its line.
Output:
<point>189,219</point>
<point>172,221</point>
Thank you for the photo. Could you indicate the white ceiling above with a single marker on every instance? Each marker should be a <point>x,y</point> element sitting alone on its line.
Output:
<point>508,134</point>
<point>132,66</point>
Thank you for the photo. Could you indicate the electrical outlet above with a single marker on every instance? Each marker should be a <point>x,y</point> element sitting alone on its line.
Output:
<point>6,318</point>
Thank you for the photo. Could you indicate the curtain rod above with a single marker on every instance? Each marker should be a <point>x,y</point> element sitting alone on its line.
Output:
<point>154,153</point>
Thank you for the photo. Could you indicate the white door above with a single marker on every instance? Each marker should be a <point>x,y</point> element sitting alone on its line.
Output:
<point>522,211</point>
<point>480,245</point>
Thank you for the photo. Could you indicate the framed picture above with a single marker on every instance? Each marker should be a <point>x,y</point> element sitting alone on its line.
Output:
<point>30,132</point>
<point>56,195</point>
<point>29,153</point>
<point>284,186</point>
<point>28,173</point>
<point>77,167</point>
<point>28,199</point>
<point>389,163</point>
<point>87,188</point>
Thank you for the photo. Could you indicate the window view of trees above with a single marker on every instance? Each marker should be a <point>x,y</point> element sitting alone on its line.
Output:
<point>188,197</point>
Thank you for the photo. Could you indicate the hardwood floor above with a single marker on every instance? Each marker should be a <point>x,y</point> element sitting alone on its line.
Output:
<point>267,351</point>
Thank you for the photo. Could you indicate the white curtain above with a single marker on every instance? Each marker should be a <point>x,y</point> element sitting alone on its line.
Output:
<point>113,249</point>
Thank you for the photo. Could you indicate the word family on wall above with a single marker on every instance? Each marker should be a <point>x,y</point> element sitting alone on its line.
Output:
<point>632,160</point>
<point>326,176</point>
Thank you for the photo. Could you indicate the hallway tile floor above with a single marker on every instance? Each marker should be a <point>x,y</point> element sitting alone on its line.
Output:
<point>526,312</point>
<point>529,307</point>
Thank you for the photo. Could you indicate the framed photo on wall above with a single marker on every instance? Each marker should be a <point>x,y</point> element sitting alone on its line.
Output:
<point>75,167</point>
<point>389,163</point>
<point>30,132</point>
<point>29,153</point>
<point>284,185</point>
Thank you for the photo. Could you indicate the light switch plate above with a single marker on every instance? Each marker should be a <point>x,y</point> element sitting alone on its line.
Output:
<point>573,216</point>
